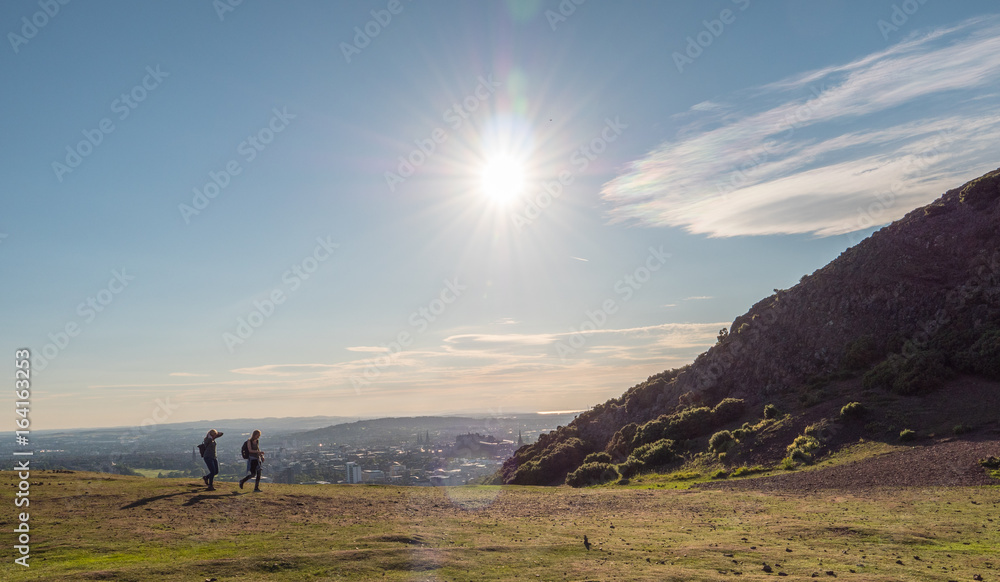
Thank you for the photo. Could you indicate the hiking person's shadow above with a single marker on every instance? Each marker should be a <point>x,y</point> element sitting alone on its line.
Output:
<point>207,497</point>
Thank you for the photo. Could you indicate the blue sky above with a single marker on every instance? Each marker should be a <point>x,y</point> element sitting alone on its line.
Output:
<point>472,207</point>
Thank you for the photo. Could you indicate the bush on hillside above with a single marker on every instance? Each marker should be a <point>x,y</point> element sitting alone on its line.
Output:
<point>860,354</point>
<point>728,410</point>
<point>802,448</point>
<point>906,435</point>
<point>655,454</point>
<point>621,442</point>
<point>600,457</point>
<point>983,357</point>
<point>721,441</point>
<point>689,424</point>
<point>924,371</point>
<point>592,474</point>
<point>552,464</point>
<point>852,411</point>
<point>770,411</point>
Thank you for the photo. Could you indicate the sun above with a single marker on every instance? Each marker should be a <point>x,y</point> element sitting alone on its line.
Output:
<point>502,178</point>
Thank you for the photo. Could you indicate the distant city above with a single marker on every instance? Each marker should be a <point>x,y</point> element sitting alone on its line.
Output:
<point>413,451</point>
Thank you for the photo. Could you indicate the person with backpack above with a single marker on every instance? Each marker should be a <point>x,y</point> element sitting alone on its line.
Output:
<point>208,453</point>
<point>255,457</point>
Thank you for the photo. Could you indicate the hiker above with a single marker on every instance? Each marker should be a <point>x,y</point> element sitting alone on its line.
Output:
<point>254,457</point>
<point>211,458</point>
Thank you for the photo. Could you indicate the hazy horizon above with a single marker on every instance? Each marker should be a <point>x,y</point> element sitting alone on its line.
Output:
<point>393,208</point>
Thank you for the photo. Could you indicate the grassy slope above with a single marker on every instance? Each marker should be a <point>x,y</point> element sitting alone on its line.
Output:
<point>90,526</point>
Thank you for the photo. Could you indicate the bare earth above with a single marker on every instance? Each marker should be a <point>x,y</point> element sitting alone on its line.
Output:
<point>943,463</point>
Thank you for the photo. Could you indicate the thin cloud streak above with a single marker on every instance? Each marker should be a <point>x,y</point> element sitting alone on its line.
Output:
<point>810,153</point>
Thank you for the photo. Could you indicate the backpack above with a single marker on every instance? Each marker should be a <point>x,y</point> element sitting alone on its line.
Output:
<point>201,449</point>
<point>245,451</point>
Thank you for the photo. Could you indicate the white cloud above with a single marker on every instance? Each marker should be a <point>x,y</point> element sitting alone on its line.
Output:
<point>829,151</point>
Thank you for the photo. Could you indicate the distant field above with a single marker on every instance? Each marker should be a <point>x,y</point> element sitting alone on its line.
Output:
<point>151,473</point>
<point>88,526</point>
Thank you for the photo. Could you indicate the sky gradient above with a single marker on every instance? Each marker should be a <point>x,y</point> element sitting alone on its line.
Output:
<point>280,209</point>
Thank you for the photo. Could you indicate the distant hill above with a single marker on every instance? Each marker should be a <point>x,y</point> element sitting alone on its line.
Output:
<point>397,430</point>
<point>905,318</point>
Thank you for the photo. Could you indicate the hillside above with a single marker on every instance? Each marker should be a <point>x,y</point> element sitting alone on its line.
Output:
<point>910,312</point>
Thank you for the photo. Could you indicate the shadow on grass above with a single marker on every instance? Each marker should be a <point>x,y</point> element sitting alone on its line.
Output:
<point>205,497</point>
<point>192,501</point>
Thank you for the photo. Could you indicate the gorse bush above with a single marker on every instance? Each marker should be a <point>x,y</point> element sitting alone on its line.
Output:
<point>541,469</point>
<point>924,371</point>
<point>728,410</point>
<point>983,357</point>
<point>852,411</point>
<point>860,354</point>
<point>770,411</point>
<point>906,435</point>
<point>802,448</point>
<point>721,441</point>
<point>592,474</point>
<point>600,457</point>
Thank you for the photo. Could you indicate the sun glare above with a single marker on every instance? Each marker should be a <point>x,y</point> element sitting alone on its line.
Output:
<point>502,179</point>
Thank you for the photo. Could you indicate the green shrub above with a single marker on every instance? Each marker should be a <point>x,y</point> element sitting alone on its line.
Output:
<point>720,474</point>
<point>655,454</point>
<point>739,434</point>
<point>621,442</point>
<point>992,463</point>
<point>552,464</point>
<point>960,429</point>
<point>770,411</point>
<point>860,354</point>
<point>600,457</point>
<point>924,371</point>
<point>852,411</point>
<point>689,423</point>
<point>592,474</point>
<point>983,357</point>
<point>721,441</point>
<point>744,470</point>
<point>906,435</point>
<point>788,464</point>
<point>802,448</point>
<point>728,410</point>
<point>631,467</point>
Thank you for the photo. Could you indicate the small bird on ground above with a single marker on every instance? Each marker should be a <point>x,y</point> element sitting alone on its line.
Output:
<point>586,543</point>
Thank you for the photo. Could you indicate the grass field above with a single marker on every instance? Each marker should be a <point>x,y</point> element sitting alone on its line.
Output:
<point>89,526</point>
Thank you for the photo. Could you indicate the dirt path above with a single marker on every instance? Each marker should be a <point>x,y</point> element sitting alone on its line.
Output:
<point>948,462</point>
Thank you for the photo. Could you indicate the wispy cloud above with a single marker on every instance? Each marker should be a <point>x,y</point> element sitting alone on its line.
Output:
<point>829,151</point>
<point>188,375</point>
<point>698,298</point>
<point>581,259</point>
<point>469,370</point>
